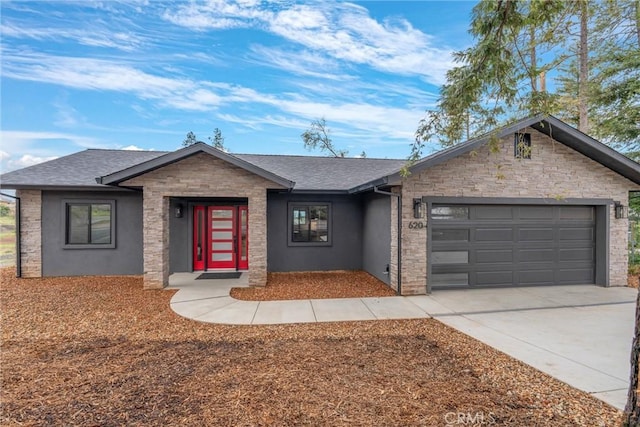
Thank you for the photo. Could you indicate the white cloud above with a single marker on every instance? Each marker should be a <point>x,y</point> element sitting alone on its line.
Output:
<point>342,31</point>
<point>191,95</point>
<point>4,155</point>
<point>216,14</point>
<point>302,63</point>
<point>97,37</point>
<point>132,148</point>
<point>95,74</point>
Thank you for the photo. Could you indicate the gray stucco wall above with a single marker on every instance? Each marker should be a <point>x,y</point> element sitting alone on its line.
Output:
<point>376,235</point>
<point>125,258</point>
<point>345,252</point>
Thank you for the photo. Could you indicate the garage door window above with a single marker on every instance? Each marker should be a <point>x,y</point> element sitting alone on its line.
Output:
<point>450,257</point>
<point>444,235</point>
<point>450,212</point>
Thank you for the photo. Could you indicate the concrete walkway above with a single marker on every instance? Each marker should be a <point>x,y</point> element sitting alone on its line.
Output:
<point>580,335</point>
<point>209,301</point>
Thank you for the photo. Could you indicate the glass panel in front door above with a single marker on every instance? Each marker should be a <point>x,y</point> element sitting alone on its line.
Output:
<point>222,232</point>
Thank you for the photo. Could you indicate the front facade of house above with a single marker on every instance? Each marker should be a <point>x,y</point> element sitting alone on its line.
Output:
<point>484,213</point>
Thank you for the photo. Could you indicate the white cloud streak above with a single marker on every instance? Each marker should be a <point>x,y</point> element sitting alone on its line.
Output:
<point>342,31</point>
<point>183,93</point>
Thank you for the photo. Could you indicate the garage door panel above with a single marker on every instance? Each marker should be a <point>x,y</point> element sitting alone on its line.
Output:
<point>450,279</point>
<point>581,233</point>
<point>494,278</point>
<point>577,212</point>
<point>575,276</point>
<point>493,212</point>
<point>535,234</point>
<point>536,213</point>
<point>493,234</point>
<point>577,254</point>
<point>536,277</point>
<point>485,256</point>
<point>536,255</point>
<point>513,245</point>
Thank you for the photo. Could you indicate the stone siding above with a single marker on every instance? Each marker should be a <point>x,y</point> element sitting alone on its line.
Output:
<point>30,232</point>
<point>200,175</point>
<point>554,171</point>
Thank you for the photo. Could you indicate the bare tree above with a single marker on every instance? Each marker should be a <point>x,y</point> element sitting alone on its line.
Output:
<point>317,137</point>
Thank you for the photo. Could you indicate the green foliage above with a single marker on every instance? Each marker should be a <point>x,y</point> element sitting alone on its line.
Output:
<point>517,44</point>
<point>317,137</point>
<point>190,139</point>
<point>4,210</point>
<point>218,140</point>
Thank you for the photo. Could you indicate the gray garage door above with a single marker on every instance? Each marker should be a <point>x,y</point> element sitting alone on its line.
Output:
<point>504,245</point>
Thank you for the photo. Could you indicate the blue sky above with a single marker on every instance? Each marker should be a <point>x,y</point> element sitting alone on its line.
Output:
<point>141,74</point>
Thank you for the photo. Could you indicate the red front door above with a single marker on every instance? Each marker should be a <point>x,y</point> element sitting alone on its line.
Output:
<point>220,237</point>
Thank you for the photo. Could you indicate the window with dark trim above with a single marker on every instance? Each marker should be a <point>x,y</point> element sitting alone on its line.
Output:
<point>89,224</point>
<point>522,145</point>
<point>309,224</point>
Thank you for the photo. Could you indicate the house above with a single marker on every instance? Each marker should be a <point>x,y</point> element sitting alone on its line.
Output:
<point>545,205</point>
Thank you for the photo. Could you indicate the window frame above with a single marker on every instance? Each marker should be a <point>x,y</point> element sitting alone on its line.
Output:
<point>293,205</point>
<point>67,203</point>
<point>522,152</point>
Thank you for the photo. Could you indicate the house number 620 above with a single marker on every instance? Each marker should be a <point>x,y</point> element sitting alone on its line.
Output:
<point>416,225</point>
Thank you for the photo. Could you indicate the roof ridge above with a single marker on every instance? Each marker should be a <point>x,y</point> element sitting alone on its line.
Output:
<point>313,157</point>
<point>121,149</point>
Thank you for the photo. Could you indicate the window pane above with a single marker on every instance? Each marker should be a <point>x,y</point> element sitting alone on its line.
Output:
<point>222,235</point>
<point>450,257</point>
<point>300,229</point>
<point>222,246</point>
<point>243,235</point>
<point>101,224</point>
<point>441,235</point>
<point>310,224</point>
<point>222,256</point>
<point>222,224</point>
<point>222,213</point>
<point>522,145</point>
<point>450,212</point>
<point>78,224</point>
<point>318,231</point>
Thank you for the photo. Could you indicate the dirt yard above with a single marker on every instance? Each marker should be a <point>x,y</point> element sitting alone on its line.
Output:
<point>101,351</point>
<point>331,284</point>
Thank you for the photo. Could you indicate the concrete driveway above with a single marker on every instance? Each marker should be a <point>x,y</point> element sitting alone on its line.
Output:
<point>579,334</point>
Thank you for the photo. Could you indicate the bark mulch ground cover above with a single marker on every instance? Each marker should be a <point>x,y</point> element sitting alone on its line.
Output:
<point>315,285</point>
<point>101,351</point>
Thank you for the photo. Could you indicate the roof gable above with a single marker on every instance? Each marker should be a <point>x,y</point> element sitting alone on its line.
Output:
<point>546,124</point>
<point>116,178</point>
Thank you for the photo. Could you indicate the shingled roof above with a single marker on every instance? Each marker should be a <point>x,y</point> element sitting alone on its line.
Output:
<point>309,173</point>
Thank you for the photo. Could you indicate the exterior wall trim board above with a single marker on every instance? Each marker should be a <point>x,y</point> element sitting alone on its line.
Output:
<point>514,201</point>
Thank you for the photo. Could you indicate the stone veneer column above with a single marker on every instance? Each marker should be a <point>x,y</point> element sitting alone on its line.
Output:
<point>31,232</point>
<point>258,237</point>
<point>156,240</point>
